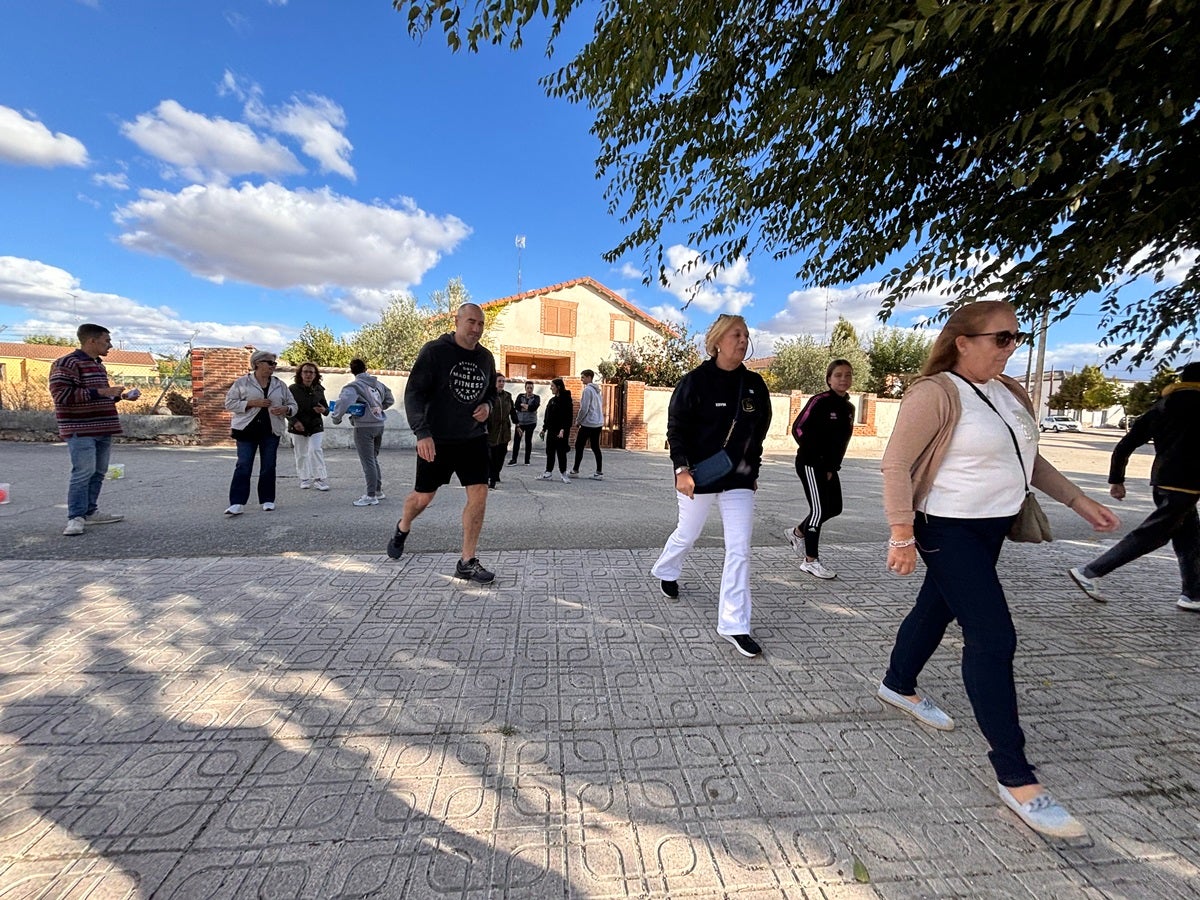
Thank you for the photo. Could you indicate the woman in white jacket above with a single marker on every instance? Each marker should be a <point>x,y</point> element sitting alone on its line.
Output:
<point>260,404</point>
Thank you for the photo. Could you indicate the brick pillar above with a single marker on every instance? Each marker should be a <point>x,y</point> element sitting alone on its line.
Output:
<point>214,369</point>
<point>867,427</point>
<point>795,404</point>
<point>634,426</point>
<point>574,384</point>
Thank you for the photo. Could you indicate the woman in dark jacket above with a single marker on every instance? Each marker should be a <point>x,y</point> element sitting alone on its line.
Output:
<point>823,431</point>
<point>718,407</point>
<point>556,429</point>
<point>306,427</point>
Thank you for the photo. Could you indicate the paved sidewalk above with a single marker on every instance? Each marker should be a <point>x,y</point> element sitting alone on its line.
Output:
<point>319,724</point>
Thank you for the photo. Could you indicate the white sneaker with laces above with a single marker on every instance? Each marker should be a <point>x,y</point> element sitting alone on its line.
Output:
<point>74,526</point>
<point>268,506</point>
<point>1044,815</point>
<point>235,509</point>
<point>597,476</point>
<point>796,542</point>
<point>380,495</point>
<point>1188,603</point>
<point>321,485</point>
<point>100,518</point>
<point>814,567</point>
<point>1090,586</point>
<point>546,476</point>
<point>305,484</point>
<point>366,500</point>
<point>566,480</point>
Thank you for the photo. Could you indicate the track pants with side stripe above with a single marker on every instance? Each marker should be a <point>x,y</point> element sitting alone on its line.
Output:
<point>824,496</point>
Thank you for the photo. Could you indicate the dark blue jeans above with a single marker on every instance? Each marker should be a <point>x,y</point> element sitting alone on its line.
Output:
<point>89,466</point>
<point>239,488</point>
<point>1174,519</point>
<point>961,583</point>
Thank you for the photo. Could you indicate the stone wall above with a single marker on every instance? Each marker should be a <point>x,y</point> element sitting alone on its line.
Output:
<point>37,426</point>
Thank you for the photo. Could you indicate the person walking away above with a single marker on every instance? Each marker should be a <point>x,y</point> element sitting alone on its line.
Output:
<point>307,427</point>
<point>499,431</point>
<point>720,407</point>
<point>822,430</point>
<point>955,471</point>
<point>374,397</point>
<point>590,421</point>
<point>85,408</point>
<point>449,397</point>
<point>1173,424</point>
<point>260,403</point>
<point>526,407</point>
<point>556,429</point>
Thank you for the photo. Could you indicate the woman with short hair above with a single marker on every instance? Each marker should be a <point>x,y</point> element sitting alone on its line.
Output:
<point>260,403</point>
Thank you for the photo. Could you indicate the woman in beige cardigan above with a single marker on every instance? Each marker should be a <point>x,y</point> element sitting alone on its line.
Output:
<point>954,476</point>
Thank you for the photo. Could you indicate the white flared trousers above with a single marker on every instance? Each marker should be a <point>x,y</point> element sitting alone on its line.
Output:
<point>310,457</point>
<point>737,514</point>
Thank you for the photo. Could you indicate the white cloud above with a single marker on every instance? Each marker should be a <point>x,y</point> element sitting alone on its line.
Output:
<point>317,122</point>
<point>56,303</point>
<point>205,149</point>
<point>118,181</point>
<point>670,314</point>
<point>267,235</point>
<point>630,271</point>
<point>27,142</point>
<point>685,279</point>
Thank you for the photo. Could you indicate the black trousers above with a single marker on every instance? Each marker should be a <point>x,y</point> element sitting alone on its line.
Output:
<point>526,430</point>
<point>582,437</point>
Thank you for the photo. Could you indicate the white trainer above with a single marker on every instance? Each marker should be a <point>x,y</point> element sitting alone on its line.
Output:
<point>566,480</point>
<point>268,506</point>
<point>814,567</point>
<point>102,518</point>
<point>305,484</point>
<point>1044,815</point>
<point>74,526</point>
<point>923,710</point>
<point>796,542</point>
<point>235,509</point>
<point>1090,586</point>
<point>366,500</point>
<point>321,485</point>
<point>1188,603</point>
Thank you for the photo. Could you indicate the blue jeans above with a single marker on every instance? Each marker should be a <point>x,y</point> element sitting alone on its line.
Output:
<point>1174,519</point>
<point>961,583</point>
<point>239,488</point>
<point>89,465</point>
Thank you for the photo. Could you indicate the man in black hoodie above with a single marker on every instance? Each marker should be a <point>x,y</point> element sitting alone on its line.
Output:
<point>448,400</point>
<point>1173,424</point>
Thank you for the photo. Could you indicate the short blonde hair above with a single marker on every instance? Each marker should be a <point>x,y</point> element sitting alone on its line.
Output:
<point>720,328</point>
<point>943,355</point>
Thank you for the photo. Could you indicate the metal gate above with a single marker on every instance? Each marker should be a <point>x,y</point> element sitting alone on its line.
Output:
<point>613,397</point>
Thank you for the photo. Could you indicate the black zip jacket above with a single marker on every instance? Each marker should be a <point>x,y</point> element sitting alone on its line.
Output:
<point>306,399</point>
<point>823,431</point>
<point>445,385</point>
<point>701,411</point>
<point>560,415</point>
<point>1173,424</point>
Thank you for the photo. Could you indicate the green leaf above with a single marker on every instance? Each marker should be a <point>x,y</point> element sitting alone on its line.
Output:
<point>861,875</point>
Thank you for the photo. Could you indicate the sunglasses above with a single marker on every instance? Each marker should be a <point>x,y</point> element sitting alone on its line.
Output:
<point>1003,338</point>
<point>269,362</point>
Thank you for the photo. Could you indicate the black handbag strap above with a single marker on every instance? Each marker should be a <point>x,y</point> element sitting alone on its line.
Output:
<point>737,409</point>
<point>1012,434</point>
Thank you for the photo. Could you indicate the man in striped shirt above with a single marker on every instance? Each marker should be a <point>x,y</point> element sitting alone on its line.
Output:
<point>85,406</point>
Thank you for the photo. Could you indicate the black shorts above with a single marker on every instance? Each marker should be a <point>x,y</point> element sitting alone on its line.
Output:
<point>469,460</point>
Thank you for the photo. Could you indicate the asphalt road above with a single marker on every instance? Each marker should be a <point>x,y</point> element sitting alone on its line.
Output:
<point>173,499</point>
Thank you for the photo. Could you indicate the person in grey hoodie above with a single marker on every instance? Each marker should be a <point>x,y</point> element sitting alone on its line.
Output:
<point>590,421</point>
<point>374,397</point>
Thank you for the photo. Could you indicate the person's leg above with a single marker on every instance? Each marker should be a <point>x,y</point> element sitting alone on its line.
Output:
<point>376,445</point>
<point>96,482</point>
<point>596,451</point>
<point>811,526</point>
<point>414,504</point>
<point>472,519</point>
<point>737,520</point>
<point>516,444</point>
<point>365,448</point>
<point>1171,508</point>
<point>82,451</point>
<point>549,453</point>
<point>563,443</point>
<point>529,430</point>
<point>268,449</point>
<point>580,439</point>
<point>1186,544</point>
<point>965,573</point>
<point>692,513</point>
<point>316,456</point>
<point>239,485</point>
<point>302,456</point>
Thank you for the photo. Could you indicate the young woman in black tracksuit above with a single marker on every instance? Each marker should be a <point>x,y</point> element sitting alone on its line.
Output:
<point>556,429</point>
<point>823,431</point>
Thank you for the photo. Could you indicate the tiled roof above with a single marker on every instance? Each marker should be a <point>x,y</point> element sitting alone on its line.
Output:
<point>759,363</point>
<point>609,294</point>
<point>53,352</point>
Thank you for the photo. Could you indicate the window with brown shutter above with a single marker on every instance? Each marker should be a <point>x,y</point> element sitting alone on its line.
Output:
<point>558,317</point>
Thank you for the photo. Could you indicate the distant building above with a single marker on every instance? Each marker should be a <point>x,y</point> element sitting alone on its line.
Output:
<point>23,362</point>
<point>559,330</point>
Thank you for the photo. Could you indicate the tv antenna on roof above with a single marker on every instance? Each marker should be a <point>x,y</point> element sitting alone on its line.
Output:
<point>520,242</point>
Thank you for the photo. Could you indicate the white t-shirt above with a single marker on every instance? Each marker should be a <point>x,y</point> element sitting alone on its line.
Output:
<point>980,477</point>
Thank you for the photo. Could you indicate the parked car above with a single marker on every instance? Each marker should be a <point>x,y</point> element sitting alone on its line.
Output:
<point>1059,423</point>
<point>1126,422</point>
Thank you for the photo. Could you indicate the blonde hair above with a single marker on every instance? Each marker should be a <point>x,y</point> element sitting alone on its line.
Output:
<point>969,319</point>
<point>720,328</point>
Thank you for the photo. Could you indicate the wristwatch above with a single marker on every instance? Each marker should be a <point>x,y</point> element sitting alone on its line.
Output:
<point>681,469</point>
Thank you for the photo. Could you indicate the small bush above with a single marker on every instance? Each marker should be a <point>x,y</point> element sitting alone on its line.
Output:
<point>179,405</point>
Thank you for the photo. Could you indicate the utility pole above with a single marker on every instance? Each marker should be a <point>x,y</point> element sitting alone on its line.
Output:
<point>1041,363</point>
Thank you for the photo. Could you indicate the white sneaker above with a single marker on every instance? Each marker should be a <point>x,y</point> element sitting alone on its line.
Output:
<point>1090,586</point>
<point>74,526</point>
<point>366,500</point>
<point>380,495</point>
<point>814,567</point>
<point>268,507</point>
<point>321,485</point>
<point>99,518</point>
<point>1044,815</point>
<point>566,480</point>
<point>1188,603</point>
<point>797,543</point>
<point>235,510</point>
<point>305,484</point>
<point>546,476</point>
<point>597,476</point>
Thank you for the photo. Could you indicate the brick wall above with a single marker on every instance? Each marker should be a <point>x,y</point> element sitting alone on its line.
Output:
<point>635,416</point>
<point>214,369</point>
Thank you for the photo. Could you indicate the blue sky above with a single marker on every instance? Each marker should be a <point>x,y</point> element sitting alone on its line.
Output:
<point>227,172</point>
